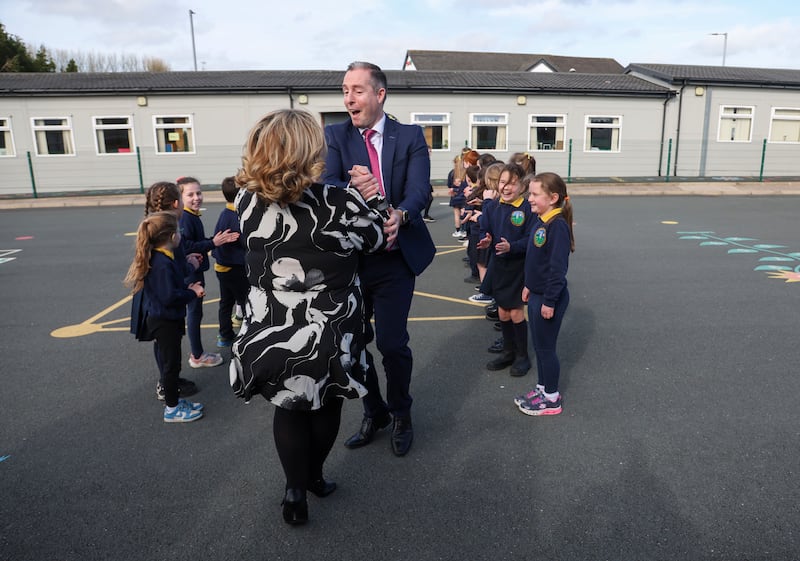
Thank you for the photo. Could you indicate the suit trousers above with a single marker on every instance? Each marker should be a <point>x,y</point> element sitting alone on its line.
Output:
<point>388,286</point>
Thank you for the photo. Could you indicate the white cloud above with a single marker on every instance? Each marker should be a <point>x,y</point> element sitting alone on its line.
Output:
<point>321,34</point>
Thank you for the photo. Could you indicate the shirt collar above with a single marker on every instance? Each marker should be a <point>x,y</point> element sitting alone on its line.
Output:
<point>230,206</point>
<point>379,126</point>
<point>166,252</point>
<point>190,211</point>
<point>550,214</point>
<point>516,203</point>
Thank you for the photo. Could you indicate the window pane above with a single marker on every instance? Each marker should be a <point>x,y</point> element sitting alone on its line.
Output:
<point>547,132</point>
<point>170,139</point>
<point>436,136</point>
<point>6,142</point>
<point>53,136</point>
<point>113,141</point>
<point>484,138</point>
<point>785,125</point>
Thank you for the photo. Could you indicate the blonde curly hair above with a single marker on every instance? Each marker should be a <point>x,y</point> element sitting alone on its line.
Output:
<point>283,156</point>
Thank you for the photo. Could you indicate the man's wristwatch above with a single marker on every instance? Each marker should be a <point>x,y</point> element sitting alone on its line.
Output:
<point>403,216</point>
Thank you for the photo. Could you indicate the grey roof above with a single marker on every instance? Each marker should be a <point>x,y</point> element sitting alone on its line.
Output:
<point>723,75</point>
<point>512,62</point>
<point>119,83</point>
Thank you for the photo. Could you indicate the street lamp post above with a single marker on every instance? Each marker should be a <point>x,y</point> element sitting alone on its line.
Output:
<point>724,45</point>
<point>194,52</point>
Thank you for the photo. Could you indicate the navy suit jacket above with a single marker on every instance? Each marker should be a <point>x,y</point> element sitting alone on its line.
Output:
<point>406,178</point>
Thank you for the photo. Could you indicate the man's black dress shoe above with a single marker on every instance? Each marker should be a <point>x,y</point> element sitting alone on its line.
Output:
<point>295,507</point>
<point>369,426</point>
<point>322,488</point>
<point>402,436</point>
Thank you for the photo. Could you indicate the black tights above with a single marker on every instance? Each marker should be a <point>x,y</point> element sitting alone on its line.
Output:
<point>304,439</point>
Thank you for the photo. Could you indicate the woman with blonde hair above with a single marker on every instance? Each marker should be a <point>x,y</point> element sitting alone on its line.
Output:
<point>301,344</point>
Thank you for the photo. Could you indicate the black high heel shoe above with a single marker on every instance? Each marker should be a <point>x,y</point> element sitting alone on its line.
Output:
<point>295,507</point>
<point>322,488</point>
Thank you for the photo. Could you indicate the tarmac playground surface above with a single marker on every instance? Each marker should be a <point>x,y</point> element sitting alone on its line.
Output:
<point>678,439</point>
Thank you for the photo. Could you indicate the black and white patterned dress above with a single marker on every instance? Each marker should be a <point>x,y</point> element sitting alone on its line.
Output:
<point>302,339</point>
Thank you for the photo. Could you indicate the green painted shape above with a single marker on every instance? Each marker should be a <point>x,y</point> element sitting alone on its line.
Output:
<point>713,243</point>
<point>775,258</point>
<point>693,238</point>
<point>741,250</point>
<point>772,268</point>
<point>740,239</point>
<point>767,246</point>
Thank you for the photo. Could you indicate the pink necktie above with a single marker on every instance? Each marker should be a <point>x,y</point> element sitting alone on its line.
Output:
<point>374,163</point>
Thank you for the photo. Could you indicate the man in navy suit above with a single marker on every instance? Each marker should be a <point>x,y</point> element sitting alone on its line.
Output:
<point>387,277</point>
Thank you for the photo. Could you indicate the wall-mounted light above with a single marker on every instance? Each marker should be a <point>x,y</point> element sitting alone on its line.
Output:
<point>141,101</point>
<point>302,99</point>
<point>699,90</point>
<point>522,100</point>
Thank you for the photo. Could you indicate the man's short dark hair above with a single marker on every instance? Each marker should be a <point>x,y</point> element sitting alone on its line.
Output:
<point>377,77</point>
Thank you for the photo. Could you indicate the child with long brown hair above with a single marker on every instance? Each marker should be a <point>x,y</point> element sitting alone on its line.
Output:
<point>166,196</point>
<point>159,277</point>
<point>505,230</point>
<point>546,263</point>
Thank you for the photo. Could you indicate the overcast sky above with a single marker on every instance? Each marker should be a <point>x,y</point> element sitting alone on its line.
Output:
<point>328,34</point>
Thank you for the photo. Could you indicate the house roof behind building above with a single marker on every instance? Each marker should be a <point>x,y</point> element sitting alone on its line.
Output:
<point>722,75</point>
<point>511,62</point>
<point>120,83</point>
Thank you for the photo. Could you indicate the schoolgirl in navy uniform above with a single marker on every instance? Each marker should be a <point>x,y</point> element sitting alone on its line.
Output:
<point>166,196</point>
<point>160,277</point>
<point>195,241</point>
<point>546,262</point>
<point>505,226</point>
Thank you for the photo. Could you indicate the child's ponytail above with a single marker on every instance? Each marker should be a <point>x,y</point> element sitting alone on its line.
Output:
<point>155,230</point>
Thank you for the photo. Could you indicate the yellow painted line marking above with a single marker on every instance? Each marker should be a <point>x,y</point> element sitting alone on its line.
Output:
<point>447,298</point>
<point>438,253</point>
<point>671,222</point>
<point>95,325</point>
<point>129,234</point>
<point>446,318</point>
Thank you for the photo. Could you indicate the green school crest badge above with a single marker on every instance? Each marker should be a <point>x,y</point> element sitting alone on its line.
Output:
<point>518,218</point>
<point>540,236</point>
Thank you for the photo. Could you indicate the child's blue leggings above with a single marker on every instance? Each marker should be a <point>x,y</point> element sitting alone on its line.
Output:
<point>544,334</point>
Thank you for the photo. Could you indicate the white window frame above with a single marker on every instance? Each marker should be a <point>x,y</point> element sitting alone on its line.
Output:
<point>161,126</point>
<point>98,127</point>
<point>733,116</point>
<point>560,123</point>
<point>615,125</point>
<point>789,118</point>
<point>433,119</point>
<point>499,120</point>
<point>8,133</point>
<point>66,131</point>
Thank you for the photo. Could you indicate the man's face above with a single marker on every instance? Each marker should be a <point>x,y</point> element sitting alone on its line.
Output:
<point>364,104</point>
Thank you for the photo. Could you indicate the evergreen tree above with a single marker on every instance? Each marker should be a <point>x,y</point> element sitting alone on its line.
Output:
<point>43,61</point>
<point>14,56</point>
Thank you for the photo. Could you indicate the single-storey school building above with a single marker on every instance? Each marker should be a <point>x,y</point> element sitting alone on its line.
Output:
<point>83,132</point>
